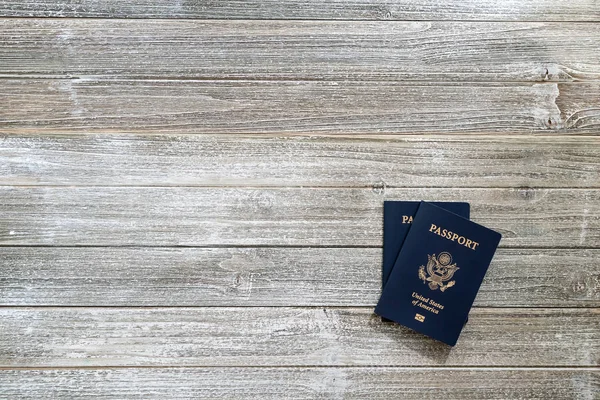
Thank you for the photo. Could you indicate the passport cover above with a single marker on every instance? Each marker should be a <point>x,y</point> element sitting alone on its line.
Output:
<point>397,218</point>
<point>437,274</point>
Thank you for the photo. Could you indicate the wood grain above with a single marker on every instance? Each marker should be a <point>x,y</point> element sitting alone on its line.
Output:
<point>190,204</point>
<point>189,216</point>
<point>270,277</point>
<point>333,161</point>
<point>281,336</point>
<point>301,50</point>
<point>524,10</point>
<point>189,106</point>
<point>302,383</point>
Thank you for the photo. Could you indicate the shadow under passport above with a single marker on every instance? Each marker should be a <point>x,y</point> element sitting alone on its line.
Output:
<point>425,346</point>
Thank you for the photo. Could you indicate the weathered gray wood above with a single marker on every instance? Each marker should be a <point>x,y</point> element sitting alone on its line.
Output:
<point>270,277</point>
<point>247,77</point>
<point>281,336</point>
<point>165,216</point>
<point>424,51</point>
<point>59,105</point>
<point>301,383</point>
<point>230,160</point>
<point>524,10</point>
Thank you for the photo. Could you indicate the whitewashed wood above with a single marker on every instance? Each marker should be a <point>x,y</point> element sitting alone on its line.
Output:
<point>294,59</point>
<point>270,277</point>
<point>230,160</point>
<point>281,336</point>
<point>195,216</point>
<point>242,49</point>
<point>524,10</point>
<point>190,106</point>
<point>302,383</point>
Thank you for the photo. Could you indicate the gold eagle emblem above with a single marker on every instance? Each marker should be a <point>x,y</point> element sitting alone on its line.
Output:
<point>439,270</point>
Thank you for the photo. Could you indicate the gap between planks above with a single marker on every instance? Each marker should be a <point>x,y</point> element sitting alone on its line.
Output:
<point>412,368</point>
<point>312,20</point>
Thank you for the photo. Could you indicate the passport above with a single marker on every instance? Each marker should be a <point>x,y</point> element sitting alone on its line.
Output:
<point>438,273</point>
<point>397,219</point>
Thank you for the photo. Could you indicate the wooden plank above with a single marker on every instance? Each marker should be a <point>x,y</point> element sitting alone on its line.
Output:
<point>191,216</point>
<point>188,106</point>
<point>334,161</point>
<point>300,50</point>
<point>281,336</point>
<point>302,383</point>
<point>270,277</point>
<point>525,10</point>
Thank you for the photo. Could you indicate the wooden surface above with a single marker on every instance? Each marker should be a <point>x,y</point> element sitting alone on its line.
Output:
<point>197,216</point>
<point>475,161</point>
<point>94,104</point>
<point>524,10</point>
<point>191,195</point>
<point>310,382</point>
<point>259,276</point>
<point>357,50</point>
<point>286,336</point>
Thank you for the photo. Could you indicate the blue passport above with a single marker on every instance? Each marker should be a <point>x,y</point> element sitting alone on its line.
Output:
<point>438,272</point>
<point>397,219</point>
